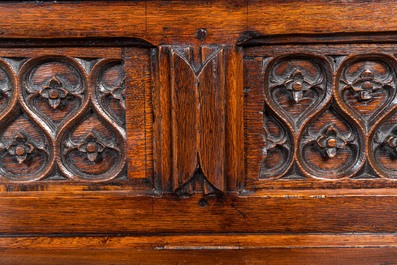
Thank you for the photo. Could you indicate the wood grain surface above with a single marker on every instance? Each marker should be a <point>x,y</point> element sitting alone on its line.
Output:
<point>161,22</point>
<point>191,132</point>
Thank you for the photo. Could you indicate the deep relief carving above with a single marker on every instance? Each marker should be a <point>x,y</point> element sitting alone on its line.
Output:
<point>330,141</point>
<point>6,89</point>
<point>54,92</point>
<point>277,154</point>
<point>66,123</point>
<point>320,126</point>
<point>25,152</point>
<point>20,148</point>
<point>367,87</point>
<point>92,149</point>
<point>92,146</point>
<point>332,150</point>
<point>53,89</point>
<point>296,87</point>
<point>391,141</point>
<point>111,91</point>
<point>383,147</point>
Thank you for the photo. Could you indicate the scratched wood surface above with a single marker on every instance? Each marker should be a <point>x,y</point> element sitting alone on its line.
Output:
<point>240,131</point>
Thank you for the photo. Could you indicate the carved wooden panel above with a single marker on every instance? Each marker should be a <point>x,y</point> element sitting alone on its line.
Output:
<point>320,116</point>
<point>64,118</point>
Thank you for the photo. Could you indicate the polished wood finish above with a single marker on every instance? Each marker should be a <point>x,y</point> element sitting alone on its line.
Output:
<point>198,132</point>
<point>285,211</point>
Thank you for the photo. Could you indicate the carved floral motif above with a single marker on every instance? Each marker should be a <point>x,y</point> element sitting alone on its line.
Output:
<point>391,141</point>
<point>117,92</point>
<point>365,85</point>
<point>110,89</point>
<point>54,89</point>
<point>20,148</point>
<point>296,87</point>
<point>92,146</point>
<point>383,147</point>
<point>65,130</point>
<point>330,141</point>
<point>297,84</point>
<point>54,92</point>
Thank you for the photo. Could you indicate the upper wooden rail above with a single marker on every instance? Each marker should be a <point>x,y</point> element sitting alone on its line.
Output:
<point>164,22</point>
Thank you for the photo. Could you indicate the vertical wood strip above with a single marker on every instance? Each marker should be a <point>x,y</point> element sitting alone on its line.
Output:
<point>234,137</point>
<point>211,88</point>
<point>162,120</point>
<point>137,80</point>
<point>184,120</point>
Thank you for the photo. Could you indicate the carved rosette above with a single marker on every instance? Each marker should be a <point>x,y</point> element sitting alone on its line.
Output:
<point>20,148</point>
<point>54,92</point>
<point>25,151</point>
<point>93,144</point>
<point>314,128</point>
<point>92,153</point>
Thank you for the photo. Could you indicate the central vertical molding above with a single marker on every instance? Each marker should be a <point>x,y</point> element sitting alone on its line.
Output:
<point>195,80</point>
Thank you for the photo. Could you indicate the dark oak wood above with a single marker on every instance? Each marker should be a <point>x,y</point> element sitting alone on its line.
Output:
<point>191,132</point>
